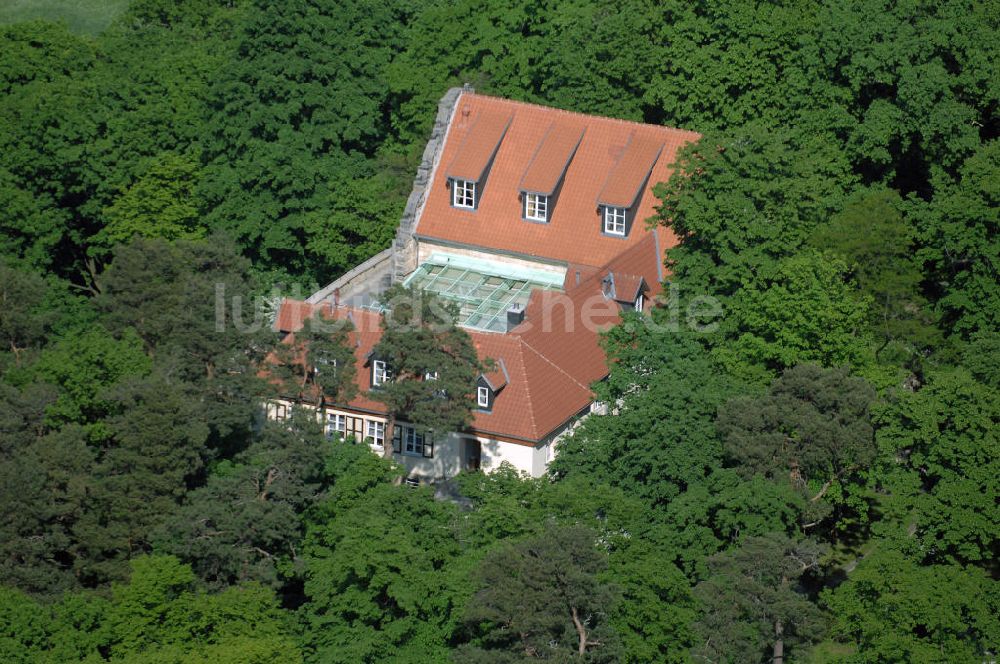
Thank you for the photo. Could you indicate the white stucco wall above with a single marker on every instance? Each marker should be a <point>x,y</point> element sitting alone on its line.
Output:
<point>450,454</point>
<point>495,452</point>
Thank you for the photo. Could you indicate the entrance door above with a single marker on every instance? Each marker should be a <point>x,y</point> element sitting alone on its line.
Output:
<point>472,453</point>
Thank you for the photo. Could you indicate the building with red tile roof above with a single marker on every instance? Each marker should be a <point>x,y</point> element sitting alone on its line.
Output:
<point>532,220</point>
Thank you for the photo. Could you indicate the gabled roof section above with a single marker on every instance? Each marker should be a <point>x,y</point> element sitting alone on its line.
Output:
<point>479,145</point>
<point>627,286</point>
<point>625,182</point>
<point>497,377</point>
<point>551,159</point>
<point>528,158</point>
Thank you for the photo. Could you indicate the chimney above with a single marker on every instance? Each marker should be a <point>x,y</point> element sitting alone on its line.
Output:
<point>515,316</point>
<point>608,285</point>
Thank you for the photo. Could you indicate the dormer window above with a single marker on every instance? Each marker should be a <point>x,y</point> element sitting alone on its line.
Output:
<point>463,194</point>
<point>614,220</point>
<point>536,207</point>
<point>639,302</point>
<point>483,397</point>
<point>380,373</point>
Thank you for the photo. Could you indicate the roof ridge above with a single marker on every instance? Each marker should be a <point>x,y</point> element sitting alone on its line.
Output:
<point>558,368</point>
<point>527,388</point>
<point>577,113</point>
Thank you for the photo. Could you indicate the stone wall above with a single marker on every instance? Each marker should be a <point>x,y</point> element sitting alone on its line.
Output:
<point>404,255</point>
<point>358,285</point>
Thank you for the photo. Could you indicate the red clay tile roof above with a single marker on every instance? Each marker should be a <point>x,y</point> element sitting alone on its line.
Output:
<point>479,144</point>
<point>574,232</point>
<point>545,366</point>
<point>551,159</point>
<point>627,286</point>
<point>292,313</point>
<point>625,181</point>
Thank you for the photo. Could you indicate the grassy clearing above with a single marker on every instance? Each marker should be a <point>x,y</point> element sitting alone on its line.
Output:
<point>82,16</point>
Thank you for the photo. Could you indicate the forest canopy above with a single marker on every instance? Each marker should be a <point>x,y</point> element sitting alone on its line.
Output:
<point>815,479</point>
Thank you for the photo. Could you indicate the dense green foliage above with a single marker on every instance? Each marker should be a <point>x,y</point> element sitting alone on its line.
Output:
<point>815,475</point>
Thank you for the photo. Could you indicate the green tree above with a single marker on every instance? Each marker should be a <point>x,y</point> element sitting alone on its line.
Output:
<point>317,363</point>
<point>741,201</point>
<point>654,615</point>
<point>188,303</point>
<point>156,448</point>
<point>946,433</point>
<point>246,522</point>
<point>46,484</point>
<point>161,203</point>
<point>24,320</point>
<point>303,101</point>
<point>159,616</point>
<point>156,616</point>
<point>797,310</point>
<point>433,364</point>
<point>720,512</point>
<point>893,610</point>
<point>753,603</point>
<point>84,367</point>
<point>49,119</point>
<point>812,429</point>
<point>383,574</point>
<point>872,236</point>
<point>358,220</point>
<point>914,92</point>
<point>958,233</point>
<point>542,599</point>
<point>661,436</point>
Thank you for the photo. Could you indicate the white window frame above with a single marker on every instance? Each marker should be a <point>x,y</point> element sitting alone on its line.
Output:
<point>640,300</point>
<point>380,373</point>
<point>431,375</point>
<point>463,194</point>
<point>536,207</point>
<point>325,362</point>
<point>413,442</point>
<point>375,431</point>
<point>614,220</point>
<point>336,423</point>
<point>483,397</point>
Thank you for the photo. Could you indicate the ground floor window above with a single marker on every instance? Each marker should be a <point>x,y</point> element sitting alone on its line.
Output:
<point>411,442</point>
<point>414,441</point>
<point>281,411</point>
<point>375,433</point>
<point>336,424</point>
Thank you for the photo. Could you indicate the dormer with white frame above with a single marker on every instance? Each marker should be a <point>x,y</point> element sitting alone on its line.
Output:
<point>623,188</point>
<point>544,176</point>
<point>467,173</point>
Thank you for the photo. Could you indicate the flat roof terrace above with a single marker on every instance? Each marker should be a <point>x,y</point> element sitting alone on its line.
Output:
<point>483,290</point>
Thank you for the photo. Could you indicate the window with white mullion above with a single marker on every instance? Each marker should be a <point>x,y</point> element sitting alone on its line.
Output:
<point>483,397</point>
<point>536,207</point>
<point>336,424</point>
<point>375,432</point>
<point>463,194</point>
<point>614,220</point>
<point>380,373</point>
